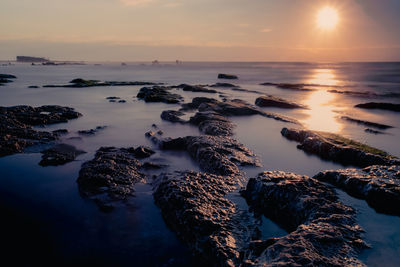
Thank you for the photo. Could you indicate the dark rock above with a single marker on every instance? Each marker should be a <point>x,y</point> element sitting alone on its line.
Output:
<point>197,89</point>
<point>172,116</point>
<point>368,130</point>
<point>16,123</point>
<point>379,185</point>
<point>160,132</point>
<point>149,133</point>
<point>291,86</point>
<point>59,155</point>
<point>217,155</point>
<point>143,152</point>
<point>211,123</point>
<point>112,98</point>
<point>158,94</point>
<point>196,102</point>
<point>60,132</point>
<point>7,76</point>
<point>367,123</point>
<point>91,131</point>
<point>80,83</point>
<point>272,101</point>
<point>121,101</point>
<point>33,86</point>
<point>112,173</point>
<point>227,76</point>
<point>5,81</point>
<point>366,94</point>
<point>228,85</point>
<point>194,206</point>
<point>339,149</point>
<point>323,231</point>
<point>152,166</point>
<point>383,106</point>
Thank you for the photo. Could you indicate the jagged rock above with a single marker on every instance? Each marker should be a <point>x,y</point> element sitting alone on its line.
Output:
<point>110,176</point>
<point>378,185</point>
<point>172,116</point>
<point>212,123</point>
<point>290,86</point>
<point>196,102</point>
<point>339,149</point>
<point>193,206</point>
<point>384,106</point>
<point>367,123</point>
<point>80,83</point>
<point>59,155</point>
<point>217,155</point>
<point>16,123</point>
<point>143,152</point>
<point>323,231</point>
<point>158,94</point>
<point>272,101</point>
<point>92,131</point>
<point>227,76</point>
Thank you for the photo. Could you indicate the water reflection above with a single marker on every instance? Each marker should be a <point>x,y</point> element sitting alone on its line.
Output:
<point>321,103</point>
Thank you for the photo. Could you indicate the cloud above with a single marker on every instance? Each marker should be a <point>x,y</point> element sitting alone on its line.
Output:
<point>266,30</point>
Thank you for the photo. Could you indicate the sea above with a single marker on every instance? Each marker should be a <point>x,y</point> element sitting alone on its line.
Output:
<point>45,220</point>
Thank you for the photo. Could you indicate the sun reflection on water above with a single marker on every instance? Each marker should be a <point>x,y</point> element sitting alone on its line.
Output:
<point>321,104</point>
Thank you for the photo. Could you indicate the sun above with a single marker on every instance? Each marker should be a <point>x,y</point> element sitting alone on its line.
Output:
<point>327,18</point>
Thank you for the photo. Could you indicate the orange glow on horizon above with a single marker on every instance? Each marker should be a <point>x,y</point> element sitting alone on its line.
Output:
<point>327,18</point>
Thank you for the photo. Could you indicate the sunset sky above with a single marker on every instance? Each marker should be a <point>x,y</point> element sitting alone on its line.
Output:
<point>199,30</point>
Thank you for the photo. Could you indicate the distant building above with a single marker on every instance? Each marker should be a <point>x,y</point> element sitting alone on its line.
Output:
<point>32,59</point>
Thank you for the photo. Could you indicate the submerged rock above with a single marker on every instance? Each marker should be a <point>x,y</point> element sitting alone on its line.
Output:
<point>59,155</point>
<point>16,132</point>
<point>383,106</point>
<point>172,116</point>
<point>197,89</point>
<point>367,123</point>
<point>290,86</point>
<point>110,176</point>
<point>80,83</point>
<point>228,85</point>
<point>368,130</point>
<point>217,155</point>
<point>378,185</point>
<point>159,94</point>
<point>323,231</point>
<point>7,76</point>
<point>339,149</point>
<point>227,76</point>
<point>272,101</point>
<point>91,131</point>
<point>193,206</point>
<point>142,152</point>
<point>196,102</point>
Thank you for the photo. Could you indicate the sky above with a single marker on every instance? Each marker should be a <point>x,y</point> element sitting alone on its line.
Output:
<point>199,30</point>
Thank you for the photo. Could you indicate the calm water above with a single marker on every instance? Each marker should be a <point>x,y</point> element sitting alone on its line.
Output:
<point>44,203</point>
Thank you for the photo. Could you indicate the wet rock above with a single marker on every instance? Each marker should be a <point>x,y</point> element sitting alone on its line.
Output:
<point>227,76</point>
<point>378,185</point>
<point>228,85</point>
<point>33,86</point>
<point>272,101</point>
<point>247,90</point>
<point>158,94</point>
<point>160,132</point>
<point>112,98</point>
<point>212,123</point>
<point>215,154</point>
<point>80,83</point>
<point>194,207</point>
<point>7,76</point>
<point>290,86</point>
<point>143,152</point>
<point>110,176</point>
<point>339,149</point>
<point>172,116</point>
<point>122,101</point>
<point>323,231</point>
<point>371,131</point>
<point>153,166</point>
<point>91,131</point>
<point>2,81</point>
<point>197,89</point>
<point>196,102</point>
<point>60,132</point>
<point>366,94</point>
<point>383,106</point>
<point>16,132</point>
<point>367,123</point>
<point>149,133</point>
<point>59,155</point>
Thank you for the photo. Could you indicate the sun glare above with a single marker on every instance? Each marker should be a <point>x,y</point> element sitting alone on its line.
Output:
<point>327,18</point>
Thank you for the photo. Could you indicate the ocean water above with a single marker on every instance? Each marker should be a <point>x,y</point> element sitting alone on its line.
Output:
<point>47,218</point>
